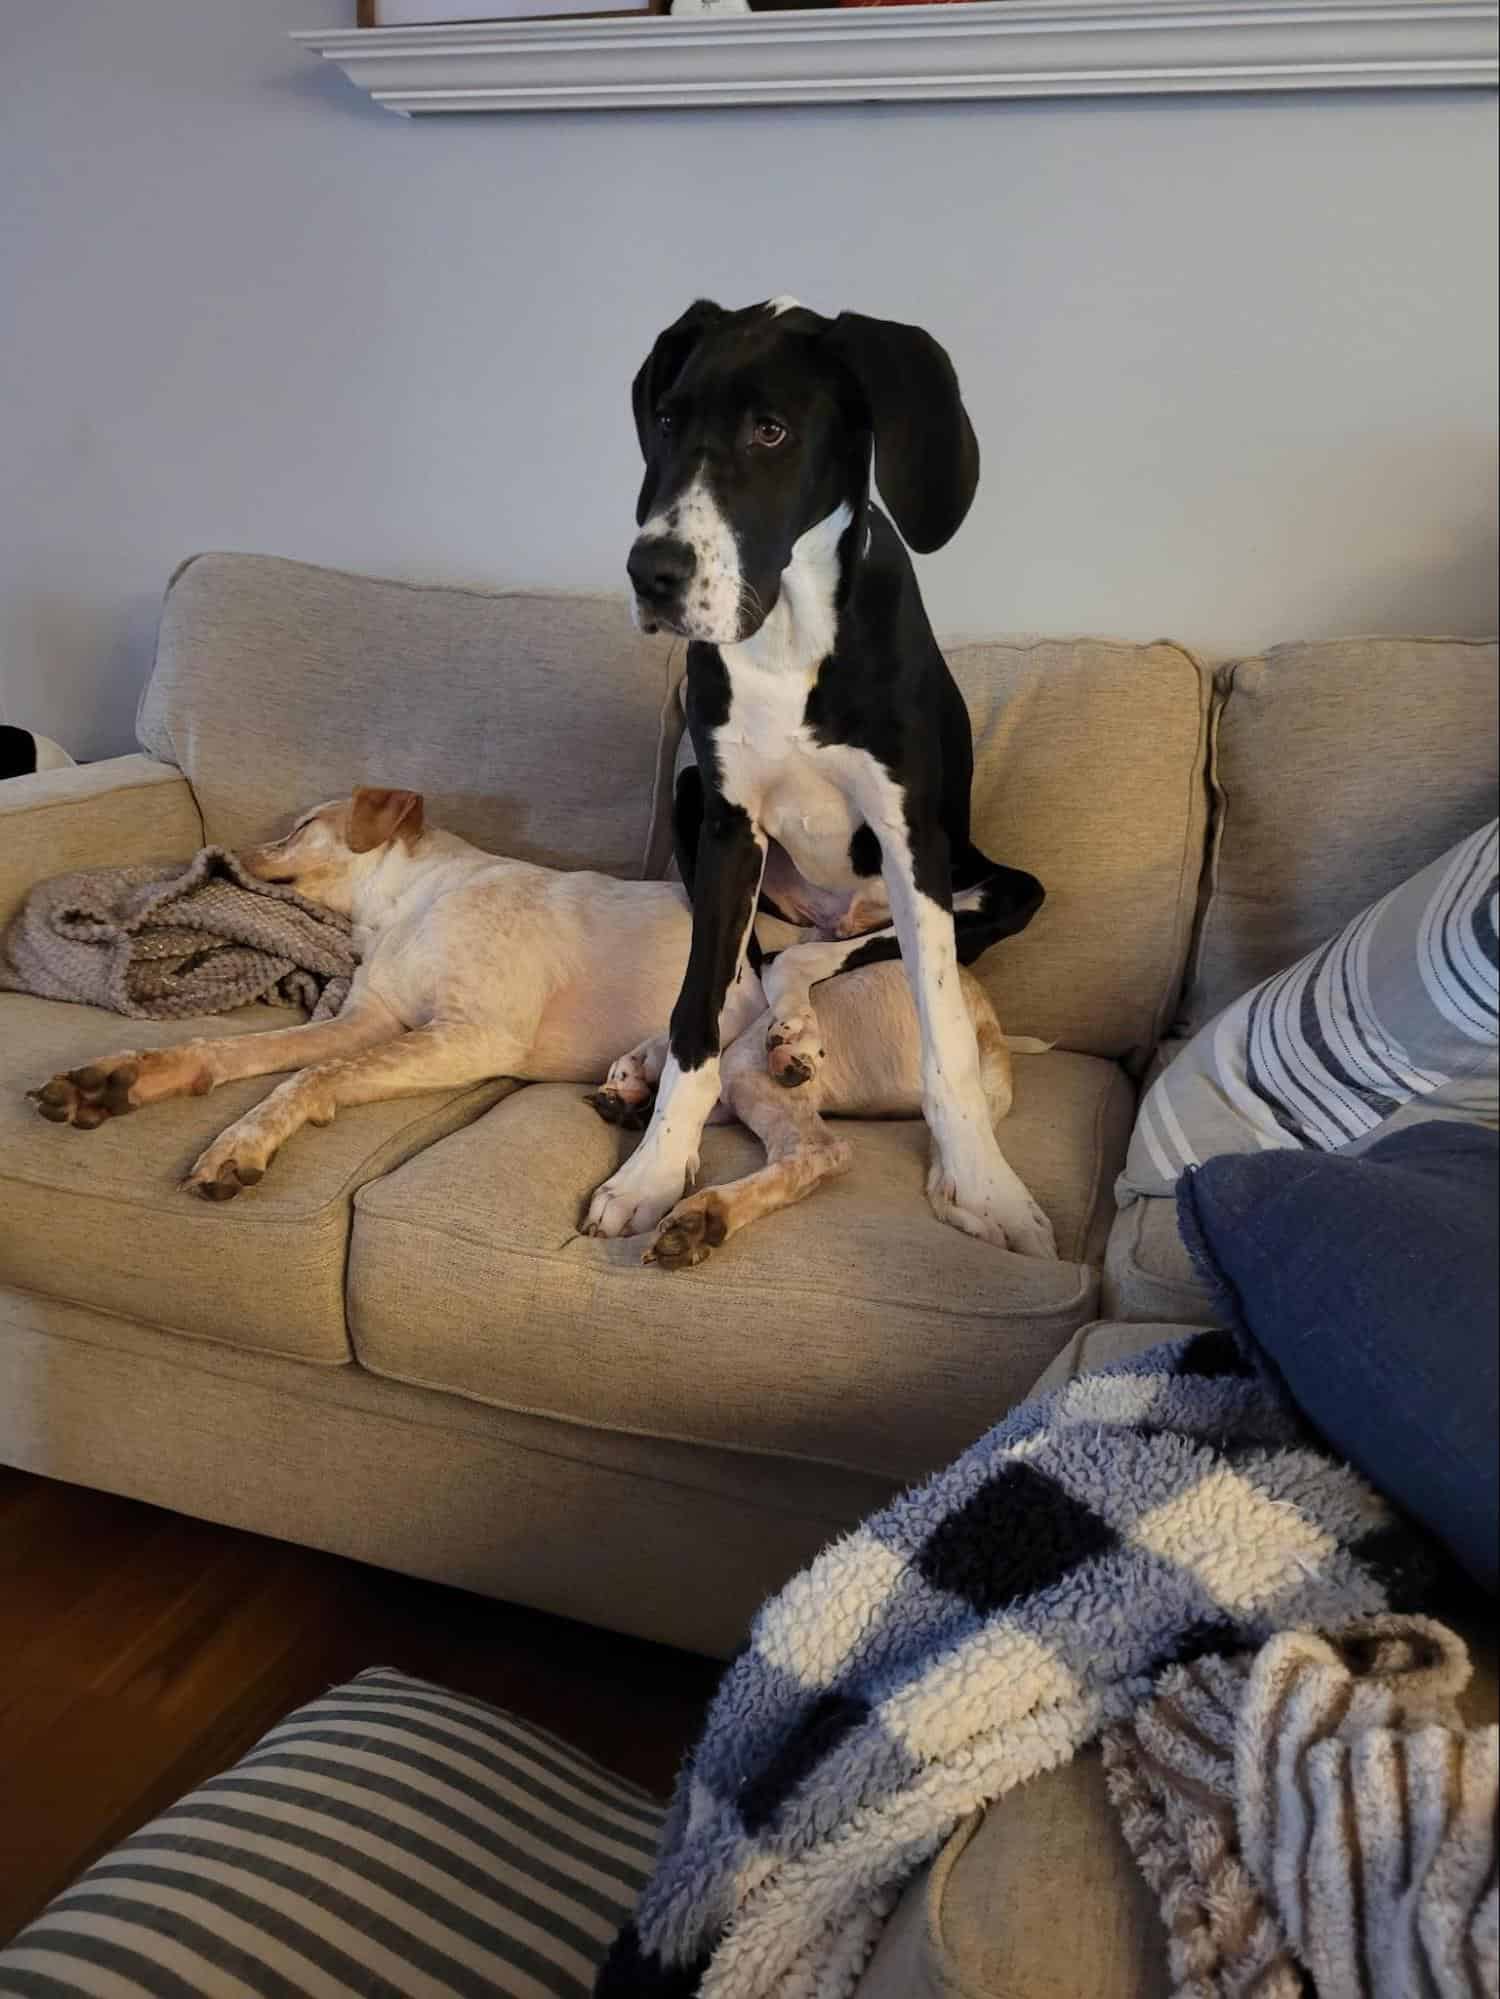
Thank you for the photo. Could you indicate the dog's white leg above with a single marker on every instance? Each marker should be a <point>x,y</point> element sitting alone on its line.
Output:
<point>970,1184</point>
<point>731,859</point>
<point>653,1178</point>
<point>428,1058</point>
<point>127,1081</point>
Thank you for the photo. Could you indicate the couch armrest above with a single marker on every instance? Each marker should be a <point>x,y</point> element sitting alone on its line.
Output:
<point>92,815</point>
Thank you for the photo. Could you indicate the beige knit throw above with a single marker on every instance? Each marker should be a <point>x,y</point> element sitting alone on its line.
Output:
<point>1314,1818</point>
<point>166,941</point>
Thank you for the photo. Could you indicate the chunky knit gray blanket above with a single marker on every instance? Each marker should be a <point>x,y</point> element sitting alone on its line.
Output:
<point>981,1629</point>
<point>161,942</point>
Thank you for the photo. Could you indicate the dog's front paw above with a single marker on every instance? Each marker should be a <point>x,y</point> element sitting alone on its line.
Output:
<point>115,1085</point>
<point>1029,1233</point>
<point>632,1200</point>
<point>89,1097</point>
<point>236,1160</point>
<point>1008,1218</point>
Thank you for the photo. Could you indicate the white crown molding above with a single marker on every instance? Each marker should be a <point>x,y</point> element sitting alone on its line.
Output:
<point>978,49</point>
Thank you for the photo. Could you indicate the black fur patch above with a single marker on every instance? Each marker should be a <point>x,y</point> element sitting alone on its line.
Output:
<point>17,751</point>
<point>878,951</point>
<point>864,852</point>
<point>726,881</point>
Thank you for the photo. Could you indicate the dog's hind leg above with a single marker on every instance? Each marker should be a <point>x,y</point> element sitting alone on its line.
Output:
<point>624,1097</point>
<point>794,1040</point>
<point>801,1153</point>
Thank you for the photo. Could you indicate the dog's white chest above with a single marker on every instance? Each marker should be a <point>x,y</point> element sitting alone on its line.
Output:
<point>793,787</point>
<point>814,821</point>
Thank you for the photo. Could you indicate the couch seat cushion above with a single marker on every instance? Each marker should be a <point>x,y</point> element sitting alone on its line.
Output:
<point>1036,1898</point>
<point>97,1218</point>
<point>1148,1274</point>
<point>854,1328</point>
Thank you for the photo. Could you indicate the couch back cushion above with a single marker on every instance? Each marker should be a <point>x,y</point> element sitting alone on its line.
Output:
<point>1338,770</point>
<point>1089,769</point>
<point>531,721</point>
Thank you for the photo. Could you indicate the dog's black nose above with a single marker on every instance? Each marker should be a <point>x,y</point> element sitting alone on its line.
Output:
<point>659,567</point>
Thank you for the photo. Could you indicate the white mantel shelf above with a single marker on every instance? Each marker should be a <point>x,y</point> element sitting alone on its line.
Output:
<point>978,49</point>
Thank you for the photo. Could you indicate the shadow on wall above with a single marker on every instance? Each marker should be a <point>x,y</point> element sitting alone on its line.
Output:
<point>1455,590</point>
<point>1455,594</point>
<point>83,659</point>
<point>328,88</point>
<point>1447,585</point>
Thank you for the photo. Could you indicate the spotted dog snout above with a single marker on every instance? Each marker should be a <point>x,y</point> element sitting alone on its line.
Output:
<point>685,569</point>
<point>660,567</point>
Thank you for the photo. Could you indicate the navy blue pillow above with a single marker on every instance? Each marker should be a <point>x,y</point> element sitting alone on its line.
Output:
<point>1371,1285</point>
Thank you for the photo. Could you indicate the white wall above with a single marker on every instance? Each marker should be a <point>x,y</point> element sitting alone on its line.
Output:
<point>1232,362</point>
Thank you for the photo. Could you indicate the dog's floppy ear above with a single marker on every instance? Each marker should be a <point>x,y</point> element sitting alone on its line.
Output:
<point>376,816</point>
<point>926,454</point>
<point>663,364</point>
<point>661,368</point>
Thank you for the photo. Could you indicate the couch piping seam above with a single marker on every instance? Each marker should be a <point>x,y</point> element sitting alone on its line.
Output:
<point>16,813</point>
<point>489,593</point>
<point>346,1359</point>
<point>1183,918</point>
<point>752,1284</point>
<point>1096,1182</point>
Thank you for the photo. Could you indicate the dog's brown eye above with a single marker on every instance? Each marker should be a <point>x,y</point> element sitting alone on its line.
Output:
<point>664,420</point>
<point>768,433</point>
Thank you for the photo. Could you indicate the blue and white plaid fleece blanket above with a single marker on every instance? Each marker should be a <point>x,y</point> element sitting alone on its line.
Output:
<point>979,1630</point>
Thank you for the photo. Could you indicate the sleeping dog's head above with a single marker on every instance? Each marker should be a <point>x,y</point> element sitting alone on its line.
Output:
<point>757,426</point>
<point>334,846</point>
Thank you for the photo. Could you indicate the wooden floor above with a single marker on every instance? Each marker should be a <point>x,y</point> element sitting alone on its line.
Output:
<point>141,1652</point>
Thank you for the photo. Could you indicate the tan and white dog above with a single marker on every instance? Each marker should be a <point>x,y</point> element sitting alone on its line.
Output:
<point>473,967</point>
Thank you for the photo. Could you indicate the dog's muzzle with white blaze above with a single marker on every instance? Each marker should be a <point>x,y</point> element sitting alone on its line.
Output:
<point>661,569</point>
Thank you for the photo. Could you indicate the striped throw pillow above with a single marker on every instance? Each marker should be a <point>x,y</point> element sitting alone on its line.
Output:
<point>1394,1019</point>
<point>390,1839</point>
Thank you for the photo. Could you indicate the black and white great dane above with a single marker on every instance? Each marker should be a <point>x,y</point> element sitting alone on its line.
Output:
<point>828,732</point>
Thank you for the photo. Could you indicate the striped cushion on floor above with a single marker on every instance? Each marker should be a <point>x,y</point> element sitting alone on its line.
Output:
<point>390,1839</point>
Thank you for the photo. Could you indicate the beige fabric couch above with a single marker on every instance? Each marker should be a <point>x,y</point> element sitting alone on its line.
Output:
<point>399,1347</point>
